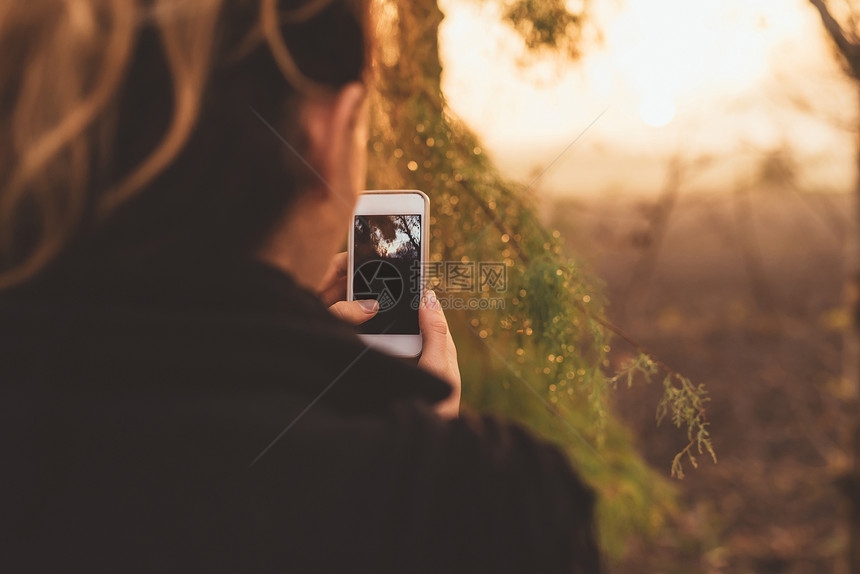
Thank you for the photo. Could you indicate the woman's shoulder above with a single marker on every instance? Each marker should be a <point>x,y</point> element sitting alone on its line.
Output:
<point>514,499</point>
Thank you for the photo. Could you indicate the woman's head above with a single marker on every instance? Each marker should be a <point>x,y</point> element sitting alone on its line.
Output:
<point>135,128</point>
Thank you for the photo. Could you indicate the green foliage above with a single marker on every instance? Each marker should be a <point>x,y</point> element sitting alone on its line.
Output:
<point>642,364</point>
<point>685,403</point>
<point>540,358</point>
<point>546,24</point>
<point>682,401</point>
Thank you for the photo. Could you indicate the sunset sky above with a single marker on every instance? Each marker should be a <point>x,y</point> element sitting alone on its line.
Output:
<point>726,78</point>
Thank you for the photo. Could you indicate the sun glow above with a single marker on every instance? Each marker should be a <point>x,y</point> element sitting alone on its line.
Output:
<point>668,60</point>
<point>657,111</point>
<point>670,49</point>
<point>709,73</point>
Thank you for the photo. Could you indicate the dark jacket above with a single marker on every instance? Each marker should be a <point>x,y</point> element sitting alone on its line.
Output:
<point>209,418</point>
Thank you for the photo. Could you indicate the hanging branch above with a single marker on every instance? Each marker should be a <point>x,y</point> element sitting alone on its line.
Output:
<point>681,399</point>
<point>848,48</point>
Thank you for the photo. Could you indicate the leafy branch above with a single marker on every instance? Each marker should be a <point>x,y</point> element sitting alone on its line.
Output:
<point>683,401</point>
<point>681,398</point>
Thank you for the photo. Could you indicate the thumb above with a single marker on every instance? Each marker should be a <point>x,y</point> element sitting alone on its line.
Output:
<point>434,334</point>
<point>439,355</point>
<point>355,312</point>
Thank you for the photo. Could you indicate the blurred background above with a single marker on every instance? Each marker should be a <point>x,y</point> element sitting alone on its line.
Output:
<point>672,186</point>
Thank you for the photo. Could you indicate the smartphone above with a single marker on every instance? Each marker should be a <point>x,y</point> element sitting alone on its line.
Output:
<point>387,250</point>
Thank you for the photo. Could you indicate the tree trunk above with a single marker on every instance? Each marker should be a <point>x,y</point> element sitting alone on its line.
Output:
<point>846,44</point>
<point>418,72</point>
<point>849,480</point>
<point>851,378</point>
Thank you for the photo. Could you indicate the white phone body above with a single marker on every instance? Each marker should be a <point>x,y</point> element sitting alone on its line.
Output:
<point>394,330</point>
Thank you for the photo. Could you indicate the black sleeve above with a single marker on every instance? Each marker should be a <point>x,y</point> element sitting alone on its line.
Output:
<point>486,496</point>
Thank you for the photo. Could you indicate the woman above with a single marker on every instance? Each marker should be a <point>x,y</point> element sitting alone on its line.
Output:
<point>175,179</point>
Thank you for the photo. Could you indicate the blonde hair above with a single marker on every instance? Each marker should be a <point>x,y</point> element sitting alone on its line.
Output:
<point>62,67</point>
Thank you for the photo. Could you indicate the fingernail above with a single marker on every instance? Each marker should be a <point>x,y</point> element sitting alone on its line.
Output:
<point>369,305</point>
<point>432,301</point>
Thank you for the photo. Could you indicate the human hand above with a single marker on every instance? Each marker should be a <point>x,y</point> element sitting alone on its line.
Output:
<point>439,355</point>
<point>333,294</point>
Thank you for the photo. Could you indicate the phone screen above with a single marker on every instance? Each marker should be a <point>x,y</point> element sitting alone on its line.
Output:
<point>387,267</point>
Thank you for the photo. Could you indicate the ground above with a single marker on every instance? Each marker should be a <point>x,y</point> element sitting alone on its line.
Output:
<point>742,292</point>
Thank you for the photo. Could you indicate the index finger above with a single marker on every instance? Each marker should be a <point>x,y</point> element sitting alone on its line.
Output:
<point>336,270</point>
<point>338,264</point>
